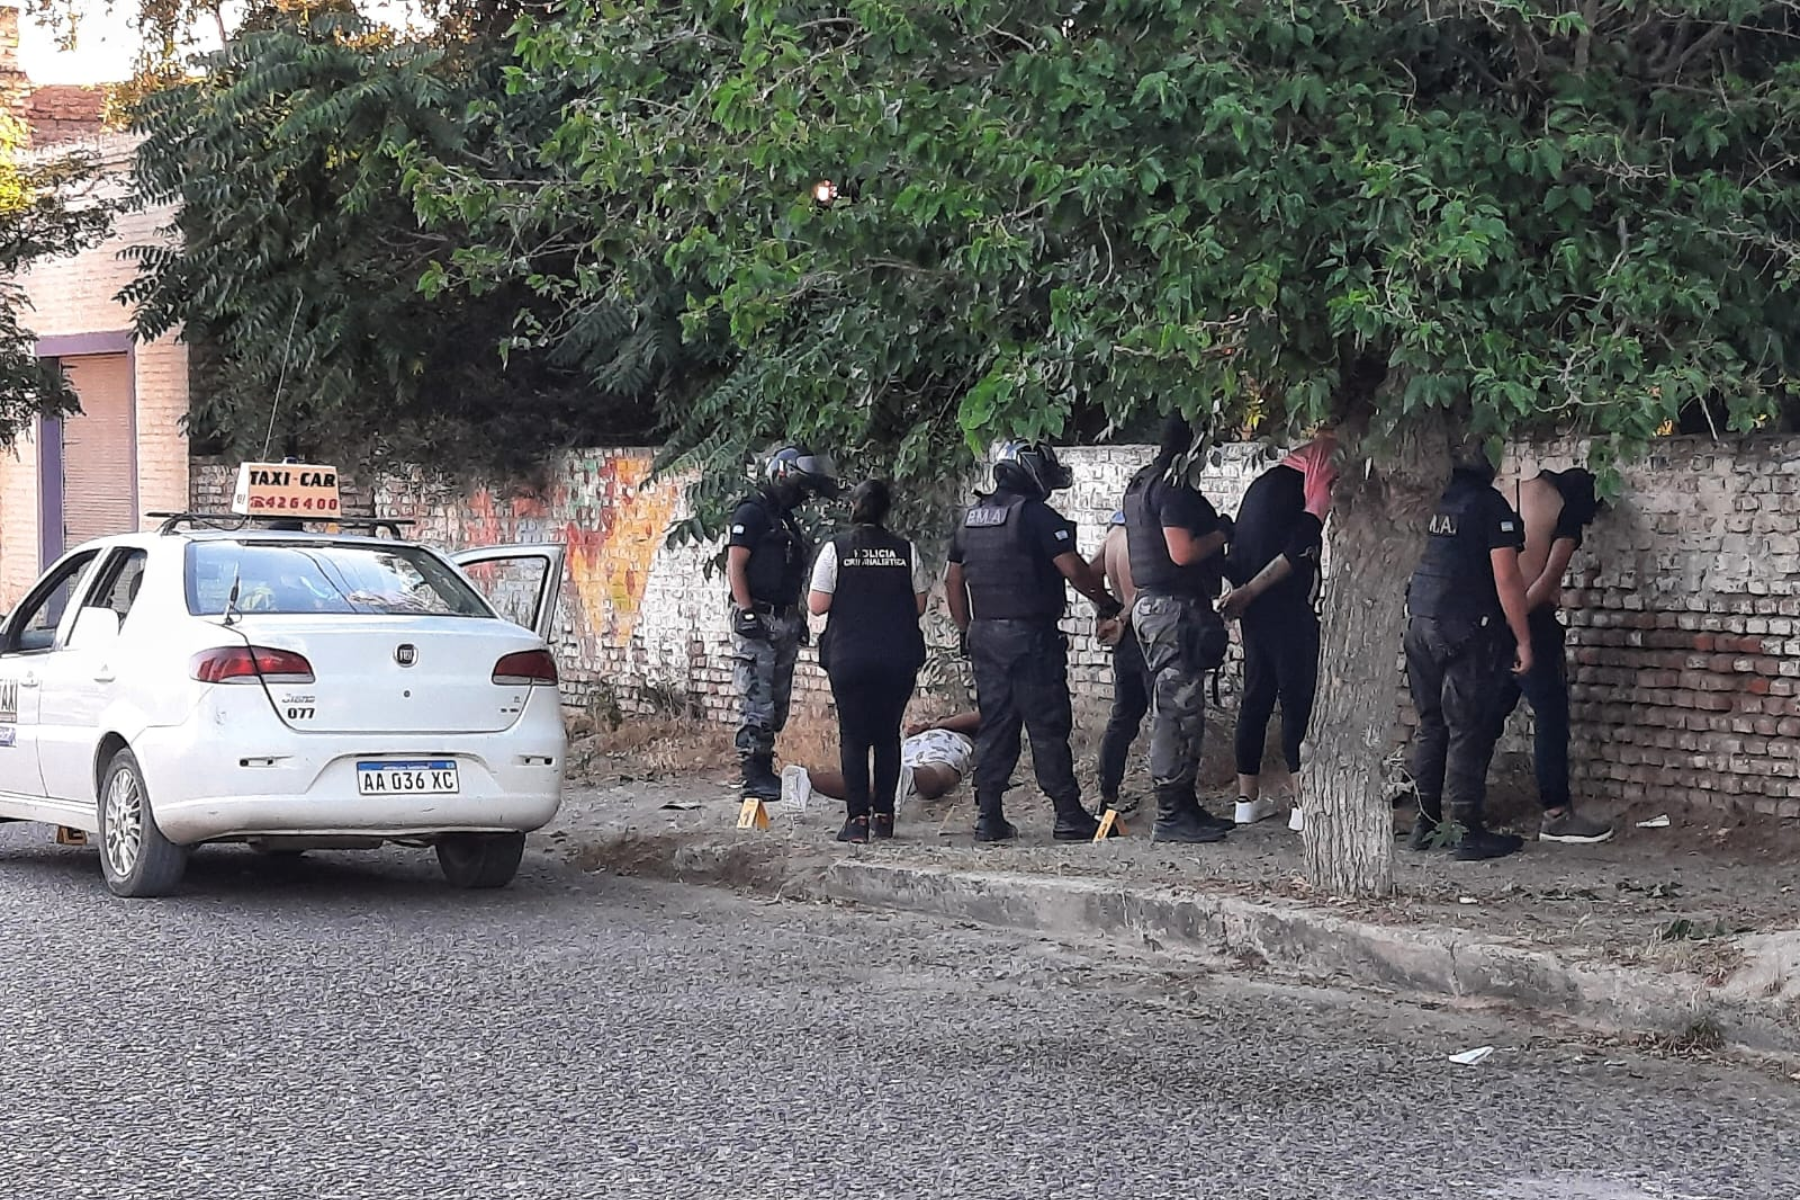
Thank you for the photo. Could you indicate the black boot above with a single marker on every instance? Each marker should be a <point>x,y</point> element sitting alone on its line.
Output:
<point>1075,823</point>
<point>1212,822</point>
<point>855,830</point>
<point>1179,818</point>
<point>1425,825</point>
<point>760,780</point>
<point>991,824</point>
<point>1479,842</point>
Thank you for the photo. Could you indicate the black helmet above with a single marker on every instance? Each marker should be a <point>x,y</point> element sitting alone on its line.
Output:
<point>799,468</point>
<point>1470,456</point>
<point>1030,467</point>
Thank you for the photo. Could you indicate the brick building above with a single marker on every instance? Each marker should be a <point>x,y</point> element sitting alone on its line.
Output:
<point>125,453</point>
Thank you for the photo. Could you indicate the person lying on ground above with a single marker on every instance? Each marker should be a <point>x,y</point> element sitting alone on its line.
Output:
<point>934,759</point>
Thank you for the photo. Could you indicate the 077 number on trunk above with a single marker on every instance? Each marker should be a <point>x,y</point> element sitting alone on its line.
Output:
<point>425,777</point>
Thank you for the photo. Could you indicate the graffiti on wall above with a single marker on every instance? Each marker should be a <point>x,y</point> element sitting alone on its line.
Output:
<point>608,513</point>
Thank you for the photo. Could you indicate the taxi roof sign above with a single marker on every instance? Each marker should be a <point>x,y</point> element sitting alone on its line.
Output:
<point>286,489</point>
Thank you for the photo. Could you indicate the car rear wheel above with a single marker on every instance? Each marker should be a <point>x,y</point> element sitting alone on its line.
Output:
<point>480,860</point>
<point>137,860</point>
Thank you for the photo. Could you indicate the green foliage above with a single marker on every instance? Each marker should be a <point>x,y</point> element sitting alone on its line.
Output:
<point>1053,217</point>
<point>302,273</point>
<point>49,207</point>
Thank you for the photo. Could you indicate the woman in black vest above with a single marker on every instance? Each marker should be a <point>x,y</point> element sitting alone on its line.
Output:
<point>874,586</point>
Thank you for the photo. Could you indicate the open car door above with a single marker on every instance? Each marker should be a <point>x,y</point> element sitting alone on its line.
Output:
<point>523,583</point>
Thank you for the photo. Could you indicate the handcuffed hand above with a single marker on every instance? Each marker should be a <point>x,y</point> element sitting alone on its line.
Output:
<point>1109,632</point>
<point>1234,602</point>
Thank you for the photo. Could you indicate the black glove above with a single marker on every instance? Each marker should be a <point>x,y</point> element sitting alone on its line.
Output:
<point>805,633</point>
<point>1110,609</point>
<point>747,624</point>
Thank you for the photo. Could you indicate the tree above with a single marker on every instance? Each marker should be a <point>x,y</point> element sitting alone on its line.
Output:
<point>49,207</point>
<point>1469,219</point>
<point>299,265</point>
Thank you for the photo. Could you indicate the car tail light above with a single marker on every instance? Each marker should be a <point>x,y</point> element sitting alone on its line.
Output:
<point>248,664</point>
<point>527,668</point>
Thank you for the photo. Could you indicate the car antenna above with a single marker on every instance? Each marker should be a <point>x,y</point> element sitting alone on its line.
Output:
<point>237,580</point>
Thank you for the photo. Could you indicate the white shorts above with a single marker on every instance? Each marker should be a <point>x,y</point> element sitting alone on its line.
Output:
<point>938,748</point>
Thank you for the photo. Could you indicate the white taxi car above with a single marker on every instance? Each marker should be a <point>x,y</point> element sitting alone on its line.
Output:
<point>290,690</point>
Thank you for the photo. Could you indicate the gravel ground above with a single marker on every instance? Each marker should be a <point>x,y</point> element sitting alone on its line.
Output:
<point>344,1026</point>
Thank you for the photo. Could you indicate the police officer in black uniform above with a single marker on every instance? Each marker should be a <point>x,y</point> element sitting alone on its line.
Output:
<point>1466,627</point>
<point>766,565</point>
<point>1008,561</point>
<point>1176,541</point>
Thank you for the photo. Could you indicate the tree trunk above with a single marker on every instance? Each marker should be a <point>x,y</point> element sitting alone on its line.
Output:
<point>1376,532</point>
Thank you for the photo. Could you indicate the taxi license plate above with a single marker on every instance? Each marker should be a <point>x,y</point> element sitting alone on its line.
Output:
<point>425,777</point>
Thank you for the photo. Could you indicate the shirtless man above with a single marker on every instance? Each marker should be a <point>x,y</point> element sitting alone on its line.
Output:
<point>1556,507</point>
<point>1131,678</point>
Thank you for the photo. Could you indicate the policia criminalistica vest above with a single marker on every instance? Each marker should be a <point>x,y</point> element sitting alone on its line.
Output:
<point>874,611</point>
<point>1008,576</point>
<point>1455,577</point>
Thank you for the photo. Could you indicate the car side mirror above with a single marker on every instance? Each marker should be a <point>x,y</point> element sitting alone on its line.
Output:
<point>95,628</point>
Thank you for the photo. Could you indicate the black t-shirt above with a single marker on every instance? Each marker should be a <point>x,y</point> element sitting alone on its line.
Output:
<point>779,551</point>
<point>1153,504</point>
<point>1272,522</point>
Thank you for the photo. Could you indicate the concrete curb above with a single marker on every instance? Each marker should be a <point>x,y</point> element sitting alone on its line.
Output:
<point>1288,937</point>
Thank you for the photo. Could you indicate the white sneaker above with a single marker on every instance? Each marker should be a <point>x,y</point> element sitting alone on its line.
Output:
<point>1296,821</point>
<point>796,788</point>
<point>1249,812</point>
<point>903,790</point>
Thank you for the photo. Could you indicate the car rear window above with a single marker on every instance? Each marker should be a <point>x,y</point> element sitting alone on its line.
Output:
<point>325,577</point>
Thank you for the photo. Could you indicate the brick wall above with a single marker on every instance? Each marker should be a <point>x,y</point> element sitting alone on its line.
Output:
<point>1684,604</point>
<point>1684,616</point>
<point>56,114</point>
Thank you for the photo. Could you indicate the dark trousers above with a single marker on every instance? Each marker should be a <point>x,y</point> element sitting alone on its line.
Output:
<point>1546,687</point>
<point>1457,671</point>
<point>1131,700</point>
<point>871,701</point>
<point>1281,662</point>
<point>1022,683</point>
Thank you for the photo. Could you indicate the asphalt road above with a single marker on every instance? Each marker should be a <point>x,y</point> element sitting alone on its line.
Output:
<point>347,1027</point>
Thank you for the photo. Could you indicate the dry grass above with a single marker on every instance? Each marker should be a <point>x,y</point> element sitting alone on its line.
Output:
<point>648,748</point>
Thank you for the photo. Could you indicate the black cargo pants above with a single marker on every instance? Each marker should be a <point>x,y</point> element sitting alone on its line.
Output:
<point>1022,683</point>
<point>1458,671</point>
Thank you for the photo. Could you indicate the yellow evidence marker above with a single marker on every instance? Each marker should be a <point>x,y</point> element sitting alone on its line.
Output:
<point>754,814</point>
<point>1111,825</point>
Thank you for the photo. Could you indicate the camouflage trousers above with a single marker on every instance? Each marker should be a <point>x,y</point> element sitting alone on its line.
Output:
<point>763,669</point>
<point>1169,630</point>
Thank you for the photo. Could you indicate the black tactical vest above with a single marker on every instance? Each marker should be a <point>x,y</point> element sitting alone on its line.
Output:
<point>778,562</point>
<point>874,611</point>
<point>1152,570</point>
<point>1008,577</point>
<point>1455,577</point>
